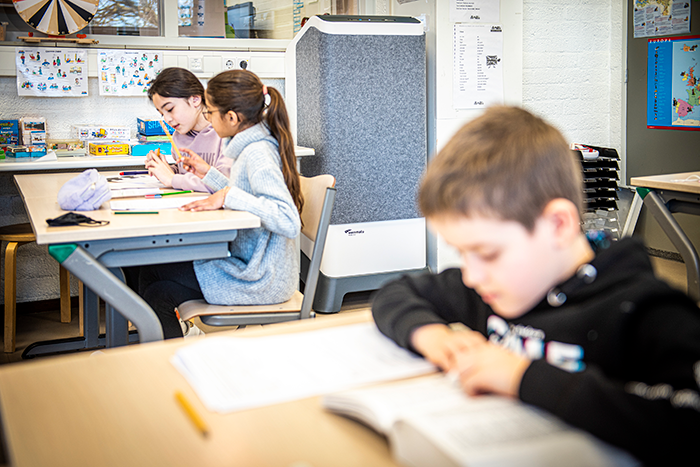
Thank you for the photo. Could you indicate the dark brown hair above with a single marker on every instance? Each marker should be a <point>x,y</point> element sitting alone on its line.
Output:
<point>507,163</point>
<point>176,82</point>
<point>242,92</point>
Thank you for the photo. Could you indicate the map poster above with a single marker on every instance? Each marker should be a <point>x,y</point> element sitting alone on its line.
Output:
<point>661,17</point>
<point>48,72</point>
<point>673,88</point>
<point>127,72</point>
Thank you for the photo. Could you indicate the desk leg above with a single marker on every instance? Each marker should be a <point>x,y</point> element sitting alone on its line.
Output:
<point>657,208</point>
<point>114,292</point>
<point>117,327</point>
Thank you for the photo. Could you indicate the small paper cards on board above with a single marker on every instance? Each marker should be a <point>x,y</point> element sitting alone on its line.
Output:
<point>48,72</point>
<point>127,72</point>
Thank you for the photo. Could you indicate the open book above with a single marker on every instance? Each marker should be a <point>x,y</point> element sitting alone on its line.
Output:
<point>430,422</point>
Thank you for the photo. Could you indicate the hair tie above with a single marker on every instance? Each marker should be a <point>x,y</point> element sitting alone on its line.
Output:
<point>266,97</point>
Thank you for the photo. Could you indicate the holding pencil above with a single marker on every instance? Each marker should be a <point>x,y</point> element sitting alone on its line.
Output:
<point>178,95</point>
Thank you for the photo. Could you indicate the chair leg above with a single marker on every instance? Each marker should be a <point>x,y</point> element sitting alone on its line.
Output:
<point>10,295</point>
<point>65,294</point>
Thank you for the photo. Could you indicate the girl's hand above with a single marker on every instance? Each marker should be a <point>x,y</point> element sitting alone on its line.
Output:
<point>193,163</point>
<point>212,203</point>
<point>160,169</point>
<point>441,345</point>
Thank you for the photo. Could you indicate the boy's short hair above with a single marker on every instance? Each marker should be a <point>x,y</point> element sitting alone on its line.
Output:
<point>507,163</point>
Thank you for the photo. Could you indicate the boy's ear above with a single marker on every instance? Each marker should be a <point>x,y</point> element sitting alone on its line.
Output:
<point>563,219</point>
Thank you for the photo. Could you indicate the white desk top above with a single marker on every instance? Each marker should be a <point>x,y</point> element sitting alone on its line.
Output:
<point>27,164</point>
<point>688,182</point>
<point>40,191</point>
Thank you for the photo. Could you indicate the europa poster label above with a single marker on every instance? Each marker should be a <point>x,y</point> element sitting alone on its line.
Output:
<point>673,88</point>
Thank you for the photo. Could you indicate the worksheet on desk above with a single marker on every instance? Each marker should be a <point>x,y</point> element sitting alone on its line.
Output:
<point>235,373</point>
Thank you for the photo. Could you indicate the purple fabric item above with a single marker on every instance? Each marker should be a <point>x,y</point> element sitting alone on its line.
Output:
<point>207,145</point>
<point>85,192</point>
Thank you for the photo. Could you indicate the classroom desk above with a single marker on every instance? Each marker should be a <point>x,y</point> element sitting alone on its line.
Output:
<point>664,195</point>
<point>96,254</point>
<point>118,408</point>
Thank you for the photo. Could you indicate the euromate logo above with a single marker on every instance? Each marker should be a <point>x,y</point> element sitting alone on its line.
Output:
<point>352,233</point>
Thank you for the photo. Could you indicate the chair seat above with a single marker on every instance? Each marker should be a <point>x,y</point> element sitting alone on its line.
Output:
<point>192,308</point>
<point>20,233</point>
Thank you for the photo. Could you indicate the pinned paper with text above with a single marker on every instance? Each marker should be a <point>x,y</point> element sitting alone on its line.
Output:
<point>475,11</point>
<point>127,72</point>
<point>661,17</point>
<point>48,72</point>
<point>477,76</point>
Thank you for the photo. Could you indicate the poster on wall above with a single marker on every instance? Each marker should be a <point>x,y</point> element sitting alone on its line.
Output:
<point>47,72</point>
<point>673,89</point>
<point>477,76</point>
<point>127,72</point>
<point>661,17</point>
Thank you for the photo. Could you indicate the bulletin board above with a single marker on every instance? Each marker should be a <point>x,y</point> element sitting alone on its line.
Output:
<point>653,151</point>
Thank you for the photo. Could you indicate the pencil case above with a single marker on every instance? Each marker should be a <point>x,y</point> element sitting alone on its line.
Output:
<point>108,149</point>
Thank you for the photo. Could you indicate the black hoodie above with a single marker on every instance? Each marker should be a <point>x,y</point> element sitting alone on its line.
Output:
<point>615,351</point>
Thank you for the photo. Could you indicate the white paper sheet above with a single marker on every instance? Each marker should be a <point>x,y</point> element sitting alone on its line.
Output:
<point>156,204</point>
<point>230,373</point>
<point>476,11</point>
<point>477,66</point>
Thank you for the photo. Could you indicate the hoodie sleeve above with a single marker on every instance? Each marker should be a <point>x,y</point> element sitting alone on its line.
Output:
<point>402,306</point>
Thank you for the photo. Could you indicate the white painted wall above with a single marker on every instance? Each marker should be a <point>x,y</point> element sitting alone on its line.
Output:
<point>574,68</point>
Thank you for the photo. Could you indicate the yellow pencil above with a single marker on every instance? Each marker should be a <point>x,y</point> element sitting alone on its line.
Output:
<point>167,133</point>
<point>192,413</point>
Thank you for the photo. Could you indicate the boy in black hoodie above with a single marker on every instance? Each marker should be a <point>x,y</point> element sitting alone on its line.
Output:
<point>593,338</point>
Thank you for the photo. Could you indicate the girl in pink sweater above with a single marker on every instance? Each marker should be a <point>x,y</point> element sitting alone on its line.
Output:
<point>179,97</point>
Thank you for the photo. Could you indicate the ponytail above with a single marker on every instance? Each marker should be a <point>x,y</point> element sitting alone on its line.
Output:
<point>277,121</point>
<point>242,92</point>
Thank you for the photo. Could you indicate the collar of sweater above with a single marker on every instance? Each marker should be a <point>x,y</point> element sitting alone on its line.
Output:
<point>235,145</point>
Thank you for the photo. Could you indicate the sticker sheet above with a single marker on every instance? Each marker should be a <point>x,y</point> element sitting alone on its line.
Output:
<point>127,72</point>
<point>49,72</point>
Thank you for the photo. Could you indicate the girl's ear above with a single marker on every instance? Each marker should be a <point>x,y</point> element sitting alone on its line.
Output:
<point>231,118</point>
<point>195,101</point>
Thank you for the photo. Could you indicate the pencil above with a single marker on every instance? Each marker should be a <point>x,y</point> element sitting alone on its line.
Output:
<point>192,413</point>
<point>160,195</point>
<point>135,212</point>
<point>170,138</point>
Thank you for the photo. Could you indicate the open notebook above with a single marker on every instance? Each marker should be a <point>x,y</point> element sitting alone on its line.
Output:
<point>430,422</point>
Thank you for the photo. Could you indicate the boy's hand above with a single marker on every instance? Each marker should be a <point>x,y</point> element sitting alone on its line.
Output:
<point>491,369</point>
<point>160,169</point>
<point>440,344</point>
<point>193,163</point>
<point>211,203</point>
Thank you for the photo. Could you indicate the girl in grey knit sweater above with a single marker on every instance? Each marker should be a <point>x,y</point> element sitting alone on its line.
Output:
<point>262,269</point>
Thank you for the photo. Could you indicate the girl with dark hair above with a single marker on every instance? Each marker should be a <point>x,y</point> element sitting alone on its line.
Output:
<point>179,97</point>
<point>263,266</point>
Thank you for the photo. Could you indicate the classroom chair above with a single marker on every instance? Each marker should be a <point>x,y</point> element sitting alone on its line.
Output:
<point>319,195</point>
<point>15,236</point>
